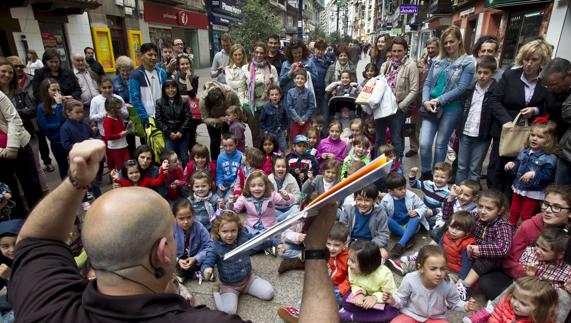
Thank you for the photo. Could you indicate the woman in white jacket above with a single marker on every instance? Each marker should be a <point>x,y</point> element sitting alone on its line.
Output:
<point>383,106</point>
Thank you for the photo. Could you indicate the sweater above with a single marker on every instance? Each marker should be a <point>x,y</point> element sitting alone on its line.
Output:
<point>525,236</point>
<point>412,202</point>
<point>301,163</point>
<point>174,175</point>
<point>315,185</point>
<point>339,271</point>
<point>227,168</point>
<point>199,209</point>
<point>347,161</point>
<point>113,128</point>
<point>143,182</point>
<point>289,184</point>
<point>421,303</point>
<point>503,312</point>
<point>97,111</point>
<point>191,169</point>
<point>199,239</point>
<point>454,249</point>
<point>72,132</point>
<point>50,123</point>
<point>378,223</point>
<point>337,147</point>
<point>433,196</point>
<point>267,213</point>
<point>376,283</point>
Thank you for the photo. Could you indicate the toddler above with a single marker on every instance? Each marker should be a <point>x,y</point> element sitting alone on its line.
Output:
<point>236,126</point>
<point>317,185</point>
<point>133,177</point>
<point>435,191</point>
<point>300,162</point>
<point>534,168</point>
<point>204,201</point>
<point>235,274</point>
<point>343,87</point>
<point>115,134</point>
<point>426,294</point>
<point>369,279</point>
<point>227,165</point>
<point>360,151</point>
<point>270,148</point>
<point>200,162</point>
<point>192,240</point>
<point>174,178</point>
<point>253,159</point>
<point>274,119</point>
<point>300,103</point>
<point>332,147</point>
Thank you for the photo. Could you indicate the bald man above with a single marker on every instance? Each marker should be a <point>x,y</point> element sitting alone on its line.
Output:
<point>85,77</point>
<point>128,235</point>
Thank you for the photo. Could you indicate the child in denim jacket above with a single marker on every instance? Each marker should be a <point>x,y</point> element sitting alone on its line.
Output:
<point>206,205</point>
<point>534,168</point>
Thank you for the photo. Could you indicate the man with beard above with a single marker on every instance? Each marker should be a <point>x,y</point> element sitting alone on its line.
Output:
<point>93,64</point>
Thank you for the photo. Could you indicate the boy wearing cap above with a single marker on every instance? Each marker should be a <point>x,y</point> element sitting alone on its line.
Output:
<point>300,161</point>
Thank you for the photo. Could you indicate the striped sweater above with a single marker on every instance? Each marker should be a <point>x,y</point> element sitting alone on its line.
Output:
<point>433,196</point>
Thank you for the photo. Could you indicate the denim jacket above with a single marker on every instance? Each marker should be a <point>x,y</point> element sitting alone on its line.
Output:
<point>537,161</point>
<point>300,104</point>
<point>121,88</point>
<point>200,212</point>
<point>459,76</point>
<point>235,269</point>
<point>274,120</point>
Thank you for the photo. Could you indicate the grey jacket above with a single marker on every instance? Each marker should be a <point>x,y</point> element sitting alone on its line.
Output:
<point>412,202</point>
<point>565,142</point>
<point>378,225</point>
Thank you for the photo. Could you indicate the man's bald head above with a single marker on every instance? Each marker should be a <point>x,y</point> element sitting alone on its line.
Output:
<point>122,226</point>
<point>78,61</point>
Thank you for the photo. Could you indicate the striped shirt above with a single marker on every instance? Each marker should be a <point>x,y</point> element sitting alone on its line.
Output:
<point>557,272</point>
<point>433,196</point>
<point>494,239</point>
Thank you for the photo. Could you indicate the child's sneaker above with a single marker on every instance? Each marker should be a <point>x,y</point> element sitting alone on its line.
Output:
<point>289,314</point>
<point>463,290</point>
<point>271,251</point>
<point>395,266</point>
<point>410,258</point>
<point>481,316</point>
<point>345,316</point>
<point>397,251</point>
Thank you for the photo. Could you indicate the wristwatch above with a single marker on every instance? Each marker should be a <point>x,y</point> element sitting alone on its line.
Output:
<point>320,254</point>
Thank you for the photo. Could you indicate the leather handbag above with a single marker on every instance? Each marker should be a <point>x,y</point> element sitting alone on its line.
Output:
<point>514,137</point>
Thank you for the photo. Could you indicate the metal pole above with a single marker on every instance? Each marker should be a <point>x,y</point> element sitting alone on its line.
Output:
<point>338,17</point>
<point>300,19</point>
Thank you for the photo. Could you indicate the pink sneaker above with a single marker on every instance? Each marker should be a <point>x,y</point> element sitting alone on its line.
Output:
<point>481,316</point>
<point>289,314</point>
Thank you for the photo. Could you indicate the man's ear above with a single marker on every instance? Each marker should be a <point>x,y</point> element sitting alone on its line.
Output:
<point>162,255</point>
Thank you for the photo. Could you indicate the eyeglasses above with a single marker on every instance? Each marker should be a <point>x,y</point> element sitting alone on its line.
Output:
<point>554,207</point>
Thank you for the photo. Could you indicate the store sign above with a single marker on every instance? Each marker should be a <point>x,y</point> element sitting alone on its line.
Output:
<point>229,7</point>
<point>174,16</point>
<point>408,9</point>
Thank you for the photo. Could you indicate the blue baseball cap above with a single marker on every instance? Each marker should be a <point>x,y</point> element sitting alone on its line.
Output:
<point>300,138</point>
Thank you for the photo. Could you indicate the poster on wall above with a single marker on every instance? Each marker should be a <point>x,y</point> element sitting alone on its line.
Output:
<point>104,48</point>
<point>135,41</point>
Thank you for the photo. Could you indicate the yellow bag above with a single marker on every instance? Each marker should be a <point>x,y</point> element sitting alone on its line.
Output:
<point>513,137</point>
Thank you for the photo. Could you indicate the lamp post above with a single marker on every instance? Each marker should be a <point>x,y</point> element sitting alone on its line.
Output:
<point>300,19</point>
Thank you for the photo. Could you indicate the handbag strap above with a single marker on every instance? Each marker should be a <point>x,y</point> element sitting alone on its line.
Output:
<point>516,120</point>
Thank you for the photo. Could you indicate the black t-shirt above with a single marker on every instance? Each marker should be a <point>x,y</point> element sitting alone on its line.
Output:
<point>46,286</point>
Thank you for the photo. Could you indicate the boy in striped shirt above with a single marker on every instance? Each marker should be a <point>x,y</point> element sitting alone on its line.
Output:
<point>435,191</point>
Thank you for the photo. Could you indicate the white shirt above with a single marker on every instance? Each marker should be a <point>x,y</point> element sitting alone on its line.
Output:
<point>472,126</point>
<point>154,88</point>
<point>97,111</point>
<point>31,67</point>
<point>88,85</point>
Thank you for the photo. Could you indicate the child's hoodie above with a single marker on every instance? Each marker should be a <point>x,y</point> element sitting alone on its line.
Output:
<point>339,271</point>
<point>227,168</point>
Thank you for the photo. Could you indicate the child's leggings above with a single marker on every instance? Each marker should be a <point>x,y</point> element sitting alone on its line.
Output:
<point>228,302</point>
<point>403,318</point>
<point>405,230</point>
<point>522,206</point>
<point>352,312</point>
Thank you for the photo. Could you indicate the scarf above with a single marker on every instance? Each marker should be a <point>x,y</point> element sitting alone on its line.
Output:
<point>394,68</point>
<point>341,68</point>
<point>207,204</point>
<point>252,95</point>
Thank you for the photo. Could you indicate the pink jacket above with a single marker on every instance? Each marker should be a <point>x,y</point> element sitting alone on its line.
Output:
<point>337,147</point>
<point>523,238</point>
<point>268,212</point>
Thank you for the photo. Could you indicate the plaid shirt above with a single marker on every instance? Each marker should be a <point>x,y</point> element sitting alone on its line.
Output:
<point>557,272</point>
<point>494,238</point>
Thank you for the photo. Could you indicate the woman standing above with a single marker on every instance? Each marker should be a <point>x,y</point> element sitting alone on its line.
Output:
<point>519,91</point>
<point>379,50</point>
<point>235,75</point>
<point>402,76</point>
<point>341,65</point>
<point>17,160</point>
<point>448,78</point>
<point>121,80</point>
<point>34,62</point>
<point>188,87</point>
<point>260,75</point>
<point>297,55</point>
<point>53,69</point>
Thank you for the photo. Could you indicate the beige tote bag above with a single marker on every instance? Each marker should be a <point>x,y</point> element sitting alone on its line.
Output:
<point>513,137</point>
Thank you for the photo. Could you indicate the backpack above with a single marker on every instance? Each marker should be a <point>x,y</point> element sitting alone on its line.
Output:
<point>155,139</point>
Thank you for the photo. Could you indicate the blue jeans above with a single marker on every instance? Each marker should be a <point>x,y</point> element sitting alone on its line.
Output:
<point>381,126</point>
<point>471,155</point>
<point>441,129</point>
<point>180,147</point>
<point>292,250</point>
<point>562,172</point>
<point>282,140</point>
<point>284,213</point>
<point>406,230</point>
<point>465,265</point>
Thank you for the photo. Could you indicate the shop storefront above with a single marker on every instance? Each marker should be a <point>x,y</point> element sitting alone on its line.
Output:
<point>169,23</point>
<point>223,14</point>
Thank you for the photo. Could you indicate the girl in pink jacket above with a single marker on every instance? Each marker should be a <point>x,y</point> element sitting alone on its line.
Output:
<point>332,147</point>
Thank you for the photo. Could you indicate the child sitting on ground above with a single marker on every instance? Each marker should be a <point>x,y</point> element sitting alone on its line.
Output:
<point>426,294</point>
<point>227,165</point>
<point>200,161</point>
<point>269,146</point>
<point>192,240</point>
<point>332,147</point>
<point>369,279</point>
<point>435,191</point>
<point>204,201</point>
<point>405,211</point>
<point>462,197</point>
<point>313,136</point>
<point>8,234</point>
<point>253,159</point>
<point>317,122</point>
<point>366,219</point>
<point>133,176</point>
<point>174,179</point>
<point>281,179</point>
<point>360,151</point>
<point>235,274</point>
<point>317,185</point>
<point>300,162</point>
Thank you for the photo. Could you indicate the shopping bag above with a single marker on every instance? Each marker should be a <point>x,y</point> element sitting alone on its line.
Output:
<point>513,137</point>
<point>155,139</point>
<point>194,106</point>
<point>366,92</point>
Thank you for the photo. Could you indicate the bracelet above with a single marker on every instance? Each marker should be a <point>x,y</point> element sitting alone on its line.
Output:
<point>322,254</point>
<point>75,183</point>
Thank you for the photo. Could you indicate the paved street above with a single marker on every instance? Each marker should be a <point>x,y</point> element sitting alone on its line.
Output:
<point>287,287</point>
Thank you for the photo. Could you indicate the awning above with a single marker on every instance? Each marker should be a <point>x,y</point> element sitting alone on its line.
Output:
<point>509,3</point>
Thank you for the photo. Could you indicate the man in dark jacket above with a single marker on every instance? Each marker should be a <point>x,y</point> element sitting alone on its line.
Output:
<point>53,69</point>
<point>93,64</point>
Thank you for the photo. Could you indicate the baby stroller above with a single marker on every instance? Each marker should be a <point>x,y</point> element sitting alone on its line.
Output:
<point>343,109</point>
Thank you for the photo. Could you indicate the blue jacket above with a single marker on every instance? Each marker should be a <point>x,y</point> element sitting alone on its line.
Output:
<point>235,269</point>
<point>321,66</point>
<point>227,168</point>
<point>537,161</point>
<point>300,104</point>
<point>274,120</point>
<point>50,124</point>
<point>140,94</point>
<point>121,88</point>
<point>459,76</point>
<point>199,241</point>
<point>199,210</point>
<point>286,83</point>
<point>72,132</point>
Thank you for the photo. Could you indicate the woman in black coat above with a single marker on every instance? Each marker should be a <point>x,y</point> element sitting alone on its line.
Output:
<point>53,69</point>
<point>519,91</point>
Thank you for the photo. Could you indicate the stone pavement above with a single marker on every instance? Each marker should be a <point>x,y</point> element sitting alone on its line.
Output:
<point>287,287</point>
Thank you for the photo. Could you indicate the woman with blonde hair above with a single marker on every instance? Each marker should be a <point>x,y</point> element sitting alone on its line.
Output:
<point>124,67</point>
<point>33,62</point>
<point>448,78</point>
<point>235,75</point>
<point>519,91</point>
